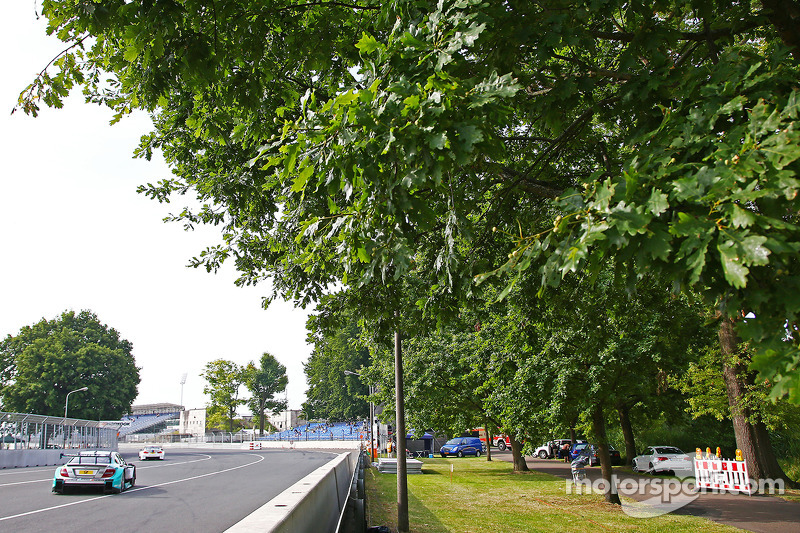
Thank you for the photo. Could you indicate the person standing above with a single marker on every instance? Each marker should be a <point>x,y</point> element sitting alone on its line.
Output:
<point>565,452</point>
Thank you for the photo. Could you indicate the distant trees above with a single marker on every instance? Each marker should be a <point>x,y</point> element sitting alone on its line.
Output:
<point>264,382</point>
<point>42,363</point>
<point>224,380</point>
<point>331,393</point>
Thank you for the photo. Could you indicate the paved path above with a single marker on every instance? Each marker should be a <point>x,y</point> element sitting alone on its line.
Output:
<point>762,514</point>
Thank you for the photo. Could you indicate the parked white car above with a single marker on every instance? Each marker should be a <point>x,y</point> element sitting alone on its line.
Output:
<point>662,459</point>
<point>550,449</point>
<point>151,452</point>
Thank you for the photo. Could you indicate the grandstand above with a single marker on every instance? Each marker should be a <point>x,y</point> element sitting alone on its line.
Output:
<point>149,418</point>
<point>357,430</point>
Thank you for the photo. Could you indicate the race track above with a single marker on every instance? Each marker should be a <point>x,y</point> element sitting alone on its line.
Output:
<point>192,490</point>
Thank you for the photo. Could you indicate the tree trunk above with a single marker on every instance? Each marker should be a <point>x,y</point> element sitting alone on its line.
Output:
<point>601,441</point>
<point>751,437</point>
<point>627,431</point>
<point>488,442</point>
<point>572,436</point>
<point>516,454</point>
<point>261,423</point>
<point>400,433</point>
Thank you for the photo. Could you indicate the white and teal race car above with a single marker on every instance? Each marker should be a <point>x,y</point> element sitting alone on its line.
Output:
<point>101,469</point>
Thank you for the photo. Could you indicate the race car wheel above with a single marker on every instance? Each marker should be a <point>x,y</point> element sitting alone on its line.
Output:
<point>542,454</point>
<point>501,444</point>
<point>460,453</point>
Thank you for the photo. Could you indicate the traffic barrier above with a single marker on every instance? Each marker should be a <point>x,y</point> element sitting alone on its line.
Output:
<point>722,474</point>
<point>254,445</point>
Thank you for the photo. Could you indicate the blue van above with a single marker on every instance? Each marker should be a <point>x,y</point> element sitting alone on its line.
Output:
<point>462,446</point>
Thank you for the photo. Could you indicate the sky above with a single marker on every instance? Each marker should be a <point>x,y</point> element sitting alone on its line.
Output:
<point>75,235</point>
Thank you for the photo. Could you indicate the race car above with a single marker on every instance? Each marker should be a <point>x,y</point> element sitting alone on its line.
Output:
<point>151,452</point>
<point>106,470</point>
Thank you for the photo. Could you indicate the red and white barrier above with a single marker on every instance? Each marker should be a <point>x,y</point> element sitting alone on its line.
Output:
<point>255,445</point>
<point>722,474</point>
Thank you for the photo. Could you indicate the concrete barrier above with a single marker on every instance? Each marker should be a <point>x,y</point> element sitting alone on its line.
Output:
<point>314,503</point>
<point>22,458</point>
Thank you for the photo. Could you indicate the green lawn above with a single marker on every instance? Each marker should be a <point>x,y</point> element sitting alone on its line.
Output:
<point>488,497</point>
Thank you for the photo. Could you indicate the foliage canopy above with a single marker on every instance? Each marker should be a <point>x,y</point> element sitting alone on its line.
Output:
<point>352,142</point>
<point>53,357</point>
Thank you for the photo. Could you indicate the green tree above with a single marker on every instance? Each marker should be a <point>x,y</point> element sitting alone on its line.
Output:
<point>53,357</point>
<point>453,378</point>
<point>706,389</point>
<point>332,142</point>
<point>224,379</point>
<point>264,382</point>
<point>332,394</point>
<point>596,335</point>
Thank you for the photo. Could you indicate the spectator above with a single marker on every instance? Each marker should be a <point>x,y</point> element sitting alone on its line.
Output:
<point>564,452</point>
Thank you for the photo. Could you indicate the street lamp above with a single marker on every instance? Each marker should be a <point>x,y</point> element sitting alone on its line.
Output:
<point>66,403</point>
<point>371,415</point>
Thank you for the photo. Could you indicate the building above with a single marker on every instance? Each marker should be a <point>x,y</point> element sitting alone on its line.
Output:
<point>286,420</point>
<point>193,422</point>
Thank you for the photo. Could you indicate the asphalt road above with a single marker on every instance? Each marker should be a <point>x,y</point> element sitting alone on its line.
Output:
<point>190,490</point>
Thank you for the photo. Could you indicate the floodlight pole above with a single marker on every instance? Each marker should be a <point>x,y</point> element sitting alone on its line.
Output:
<point>66,403</point>
<point>183,382</point>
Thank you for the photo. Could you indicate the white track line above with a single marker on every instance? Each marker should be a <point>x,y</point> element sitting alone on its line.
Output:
<point>207,457</point>
<point>260,458</point>
<point>26,471</point>
<point>162,464</point>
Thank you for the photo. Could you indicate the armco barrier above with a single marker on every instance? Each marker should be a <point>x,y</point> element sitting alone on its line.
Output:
<point>314,503</point>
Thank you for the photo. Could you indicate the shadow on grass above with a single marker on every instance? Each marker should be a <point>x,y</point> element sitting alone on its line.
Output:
<point>382,505</point>
<point>422,517</point>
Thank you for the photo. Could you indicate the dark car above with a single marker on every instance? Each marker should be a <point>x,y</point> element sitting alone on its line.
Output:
<point>462,446</point>
<point>581,447</point>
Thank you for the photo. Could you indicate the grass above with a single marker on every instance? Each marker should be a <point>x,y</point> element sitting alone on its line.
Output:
<point>488,497</point>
